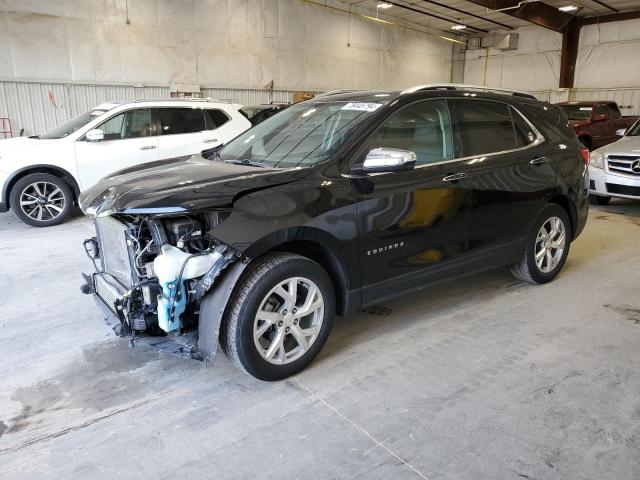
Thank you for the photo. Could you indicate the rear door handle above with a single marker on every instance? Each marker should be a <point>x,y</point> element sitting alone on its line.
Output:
<point>148,147</point>
<point>539,161</point>
<point>211,140</point>
<point>454,177</point>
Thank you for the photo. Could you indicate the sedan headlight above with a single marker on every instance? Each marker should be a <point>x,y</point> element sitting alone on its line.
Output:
<point>596,160</point>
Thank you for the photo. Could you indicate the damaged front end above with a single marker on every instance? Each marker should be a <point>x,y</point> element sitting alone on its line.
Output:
<point>152,273</point>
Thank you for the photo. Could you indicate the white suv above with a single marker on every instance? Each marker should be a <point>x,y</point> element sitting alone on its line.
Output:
<point>41,176</point>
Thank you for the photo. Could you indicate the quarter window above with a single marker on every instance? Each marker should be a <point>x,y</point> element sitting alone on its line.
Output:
<point>214,118</point>
<point>180,120</point>
<point>129,124</point>
<point>484,127</point>
<point>525,134</point>
<point>423,128</point>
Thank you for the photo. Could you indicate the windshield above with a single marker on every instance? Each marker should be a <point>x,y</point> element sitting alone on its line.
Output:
<point>301,135</point>
<point>577,112</point>
<point>634,131</point>
<point>249,112</point>
<point>72,125</point>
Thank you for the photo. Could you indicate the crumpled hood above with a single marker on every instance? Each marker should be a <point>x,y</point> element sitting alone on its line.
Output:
<point>180,185</point>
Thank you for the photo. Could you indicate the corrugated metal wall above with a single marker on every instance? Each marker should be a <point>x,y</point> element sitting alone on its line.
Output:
<point>38,107</point>
<point>627,98</point>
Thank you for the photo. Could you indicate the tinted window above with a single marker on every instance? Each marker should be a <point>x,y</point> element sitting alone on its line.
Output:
<point>614,111</point>
<point>215,118</point>
<point>483,127</point>
<point>524,133</point>
<point>129,124</point>
<point>423,128</point>
<point>602,110</point>
<point>180,120</point>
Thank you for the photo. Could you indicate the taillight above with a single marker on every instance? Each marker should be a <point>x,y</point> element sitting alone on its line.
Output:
<point>584,153</point>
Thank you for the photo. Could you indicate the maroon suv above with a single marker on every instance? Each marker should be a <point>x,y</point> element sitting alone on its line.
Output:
<point>596,122</point>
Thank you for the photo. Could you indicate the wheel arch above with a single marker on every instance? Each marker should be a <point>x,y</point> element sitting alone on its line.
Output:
<point>328,261</point>
<point>568,205</point>
<point>61,173</point>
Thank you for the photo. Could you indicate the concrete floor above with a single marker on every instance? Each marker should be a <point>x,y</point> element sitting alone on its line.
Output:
<point>486,378</point>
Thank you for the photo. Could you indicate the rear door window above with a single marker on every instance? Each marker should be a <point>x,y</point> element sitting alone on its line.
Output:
<point>175,121</point>
<point>482,127</point>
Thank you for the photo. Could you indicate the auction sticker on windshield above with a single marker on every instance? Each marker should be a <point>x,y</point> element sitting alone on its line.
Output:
<point>362,106</point>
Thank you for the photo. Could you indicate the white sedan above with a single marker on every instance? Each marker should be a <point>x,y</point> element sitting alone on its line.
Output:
<point>41,176</point>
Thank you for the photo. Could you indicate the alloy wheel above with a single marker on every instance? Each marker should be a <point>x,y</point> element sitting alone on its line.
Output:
<point>288,320</point>
<point>550,244</point>
<point>42,201</point>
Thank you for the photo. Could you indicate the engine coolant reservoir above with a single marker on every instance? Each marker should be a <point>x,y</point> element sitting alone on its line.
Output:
<point>167,265</point>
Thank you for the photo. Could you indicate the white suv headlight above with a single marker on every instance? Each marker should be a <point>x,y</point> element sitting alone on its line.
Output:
<point>596,160</point>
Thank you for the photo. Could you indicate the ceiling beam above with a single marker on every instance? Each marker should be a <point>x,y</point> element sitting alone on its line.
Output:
<point>433,2</point>
<point>614,17</point>
<point>538,13</point>
<point>428,14</point>
<point>602,4</point>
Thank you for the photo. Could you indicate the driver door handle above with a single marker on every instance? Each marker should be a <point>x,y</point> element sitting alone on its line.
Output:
<point>148,147</point>
<point>211,140</point>
<point>454,177</point>
<point>539,161</point>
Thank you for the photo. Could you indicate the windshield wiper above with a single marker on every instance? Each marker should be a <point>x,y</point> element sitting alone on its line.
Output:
<point>246,161</point>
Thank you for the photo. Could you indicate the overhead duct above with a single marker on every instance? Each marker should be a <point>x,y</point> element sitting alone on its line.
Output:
<point>501,41</point>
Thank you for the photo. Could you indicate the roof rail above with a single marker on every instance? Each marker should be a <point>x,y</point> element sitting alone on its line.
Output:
<point>336,92</point>
<point>183,99</point>
<point>461,86</point>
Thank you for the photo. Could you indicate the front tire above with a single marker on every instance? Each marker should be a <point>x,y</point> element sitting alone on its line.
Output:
<point>279,316</point>
<point>547,247</point>
<point>41,200</point>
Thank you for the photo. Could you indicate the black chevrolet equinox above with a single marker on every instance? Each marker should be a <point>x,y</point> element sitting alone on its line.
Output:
<point>333,204</point>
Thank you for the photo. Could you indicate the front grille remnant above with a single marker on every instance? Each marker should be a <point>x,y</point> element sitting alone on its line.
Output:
<point>114,252</point>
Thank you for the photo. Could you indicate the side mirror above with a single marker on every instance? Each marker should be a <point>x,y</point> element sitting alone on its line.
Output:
<point>388,160</point>
<point>94,135</point>
<point>621,132</point>
<point>600,118</point>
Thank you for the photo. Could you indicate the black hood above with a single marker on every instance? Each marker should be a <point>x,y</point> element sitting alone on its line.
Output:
<point>180,185</point>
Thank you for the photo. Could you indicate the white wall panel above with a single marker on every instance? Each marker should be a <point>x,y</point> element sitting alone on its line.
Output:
<point>535,65</point>
<point>609,55</point>
<point>227,43</point>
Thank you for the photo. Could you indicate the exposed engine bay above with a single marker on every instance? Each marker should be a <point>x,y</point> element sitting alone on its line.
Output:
<point>152,272</point>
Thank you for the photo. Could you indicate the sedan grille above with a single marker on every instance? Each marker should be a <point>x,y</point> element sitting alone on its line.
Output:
<point>114,252</point>
<point>623,164</point>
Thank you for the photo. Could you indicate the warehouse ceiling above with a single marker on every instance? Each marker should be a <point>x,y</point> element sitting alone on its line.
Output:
<point>478,19</point>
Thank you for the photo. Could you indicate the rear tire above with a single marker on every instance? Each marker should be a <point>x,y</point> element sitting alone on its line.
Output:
<point>41,200</point>
<point>269,334</point>
<point>547,247</point>
<point>599,200</point>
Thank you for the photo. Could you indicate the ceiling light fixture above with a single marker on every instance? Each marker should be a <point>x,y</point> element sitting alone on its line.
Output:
<point>458,27</point>
<point>568,8</point>
<point>384,5</point>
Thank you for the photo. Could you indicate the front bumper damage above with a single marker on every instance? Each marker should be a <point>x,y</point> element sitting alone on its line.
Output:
<point>210,292</point>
